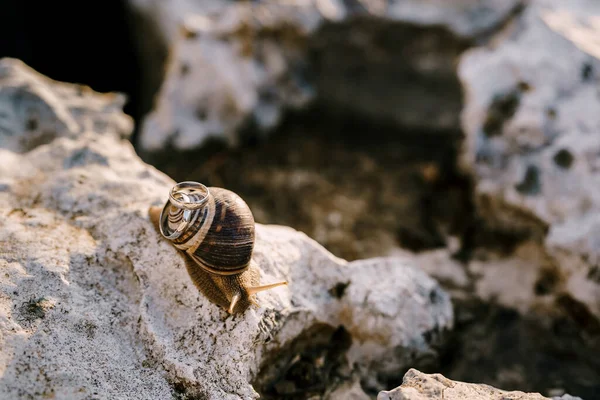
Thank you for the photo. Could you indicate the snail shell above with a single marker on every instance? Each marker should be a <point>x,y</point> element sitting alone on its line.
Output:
<point>214,230</point>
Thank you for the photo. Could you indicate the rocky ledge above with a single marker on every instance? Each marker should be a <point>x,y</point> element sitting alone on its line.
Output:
<point>95,304</point>
<point>420,386</point>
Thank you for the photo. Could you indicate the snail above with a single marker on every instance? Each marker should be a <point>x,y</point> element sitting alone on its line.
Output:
<point>214,230</point>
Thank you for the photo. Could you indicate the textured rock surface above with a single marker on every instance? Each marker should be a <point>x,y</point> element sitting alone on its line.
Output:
<point>156,25</point>
<point>89,285</point>
<point>167,14</point>
<point>34,112</point>
<point>244,64</point>
<point>531,117</point>
<point>582,29</point>
<point>419,386</point>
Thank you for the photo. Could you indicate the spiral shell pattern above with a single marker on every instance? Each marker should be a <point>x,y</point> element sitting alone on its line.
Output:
<point>214,226</point>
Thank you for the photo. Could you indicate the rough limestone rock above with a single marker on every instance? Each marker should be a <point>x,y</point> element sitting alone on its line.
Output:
<point>31,114</point>
<point>419,386</point>
<point>245,63</point>
<point>95,304</point>
<point>532,117</point>
<point>583,30</point>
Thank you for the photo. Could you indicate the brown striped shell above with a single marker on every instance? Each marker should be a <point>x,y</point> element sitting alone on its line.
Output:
<point>214,229</point>
<point>220,236</point>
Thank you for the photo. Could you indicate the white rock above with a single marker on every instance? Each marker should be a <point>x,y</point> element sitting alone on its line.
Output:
<point>583,29</point>
<point>555,109</point>
<point>167,14</point>
<point>532,118</point>
<point>464,18</point>
<point>31,115</point>
<point>246,63</point>
<point>419,386</point>
<point>94,303</point>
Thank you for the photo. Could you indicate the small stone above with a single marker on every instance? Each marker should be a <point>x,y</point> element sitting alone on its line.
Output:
<point>419,386</point>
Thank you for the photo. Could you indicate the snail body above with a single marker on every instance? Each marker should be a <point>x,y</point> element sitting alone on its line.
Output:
<point>215,231</point>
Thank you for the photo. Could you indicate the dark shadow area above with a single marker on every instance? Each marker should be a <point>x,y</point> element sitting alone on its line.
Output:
<point>359,188</point>
<point>497,346</point>
<point>390,71</point>
<point>311,364</point>
<point>89,43</point>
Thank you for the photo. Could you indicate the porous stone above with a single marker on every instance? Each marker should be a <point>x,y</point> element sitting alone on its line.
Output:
<point>95,303</point>
<point>243,64</point>
<point>531,117</point>
<point>419,386</point>
<point>583,29</point>
<point>34,109</point>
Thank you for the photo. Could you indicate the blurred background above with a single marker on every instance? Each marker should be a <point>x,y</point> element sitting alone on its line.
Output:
<point>462,134</point>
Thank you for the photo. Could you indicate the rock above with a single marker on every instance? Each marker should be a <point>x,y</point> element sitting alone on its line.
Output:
<point>31,115</point>
<point>419,386</point>
<point>167,14</point>
<point>531,116</point>
<point>88,285</point>
<point>582,30</point>
<point>155,27</point>
<point>244,64</point>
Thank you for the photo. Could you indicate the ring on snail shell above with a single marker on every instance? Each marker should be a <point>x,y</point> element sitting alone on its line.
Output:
<point>183,196</point>
<point>191,187</point>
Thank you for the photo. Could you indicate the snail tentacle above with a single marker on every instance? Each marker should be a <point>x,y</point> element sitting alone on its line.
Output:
<point>236,297</point>
<point>262,288</point>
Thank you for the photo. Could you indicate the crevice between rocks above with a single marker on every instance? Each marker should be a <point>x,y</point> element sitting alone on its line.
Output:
<point>312,364</point>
